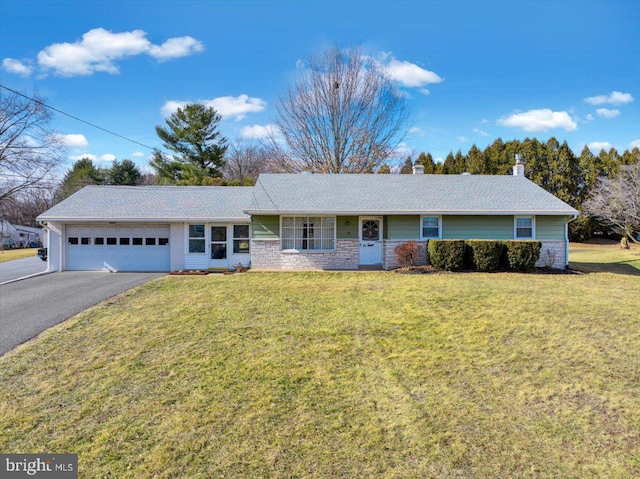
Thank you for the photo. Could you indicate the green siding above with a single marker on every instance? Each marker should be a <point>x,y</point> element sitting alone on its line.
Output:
<point>403,227</point>
<point>408,227</point>
<point>344,231</point>
<point>265,227</point>
<point>477,227</point>
<point>550,227</point>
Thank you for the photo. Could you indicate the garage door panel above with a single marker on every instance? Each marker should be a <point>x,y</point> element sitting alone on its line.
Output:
<point>117,247</point>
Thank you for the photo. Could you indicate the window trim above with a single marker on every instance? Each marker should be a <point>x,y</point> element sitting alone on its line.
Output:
<point>533,228</point>
<point>238,238</point>
<point>439,218</point>
<point>189,238</point>
<point>295,250</point>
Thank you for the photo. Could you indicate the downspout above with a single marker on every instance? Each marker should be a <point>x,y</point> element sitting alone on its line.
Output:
<point>566,239</point>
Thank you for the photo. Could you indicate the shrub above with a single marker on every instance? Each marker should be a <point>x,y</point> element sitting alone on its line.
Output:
<point>522,255</point>
<point>447,254</point>
<point>407,253</point>
<point>485,255</point>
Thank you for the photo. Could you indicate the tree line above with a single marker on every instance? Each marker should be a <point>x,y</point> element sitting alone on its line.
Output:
<point>553,166</point>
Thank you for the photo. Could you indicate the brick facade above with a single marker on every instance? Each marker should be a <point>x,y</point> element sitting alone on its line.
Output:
<point>553,254</point>
<point>389,260</point>
<point>266,254</point>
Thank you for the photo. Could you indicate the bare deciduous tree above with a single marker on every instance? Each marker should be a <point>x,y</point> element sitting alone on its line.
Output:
<point>29,149</point>
<point>23,208</point>
<point>616,201</point>
<point>245,161</point>
<point>342,114</point>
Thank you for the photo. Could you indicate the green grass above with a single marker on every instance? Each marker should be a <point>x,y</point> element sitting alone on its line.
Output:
<point>11,254</point>
<point>339,375</point>
<point>605,258</point>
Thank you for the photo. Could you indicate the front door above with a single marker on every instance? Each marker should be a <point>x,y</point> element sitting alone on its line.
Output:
<point>219,256</point>
<point>370,240</point>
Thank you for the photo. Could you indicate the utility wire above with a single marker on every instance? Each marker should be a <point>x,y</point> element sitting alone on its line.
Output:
<point>75,117</point>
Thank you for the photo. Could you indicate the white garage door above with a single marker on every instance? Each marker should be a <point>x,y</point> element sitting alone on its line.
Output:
<point>119,248</point>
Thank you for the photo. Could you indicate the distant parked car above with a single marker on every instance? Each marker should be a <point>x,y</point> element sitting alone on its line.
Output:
<point>42,254</point>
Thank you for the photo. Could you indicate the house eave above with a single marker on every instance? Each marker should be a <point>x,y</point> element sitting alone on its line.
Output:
<point>165,219</point>
<point>413,212</point>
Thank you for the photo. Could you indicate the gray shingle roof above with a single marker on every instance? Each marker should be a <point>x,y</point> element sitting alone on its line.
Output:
<point>152,203</point>
<point>398,194</point>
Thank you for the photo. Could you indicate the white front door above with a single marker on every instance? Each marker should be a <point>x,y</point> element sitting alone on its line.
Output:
<point>370,240</point>
<point>219,253</point>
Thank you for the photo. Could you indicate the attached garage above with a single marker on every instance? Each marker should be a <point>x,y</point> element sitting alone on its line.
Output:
<point>117,247</point>
<point>149,228</point>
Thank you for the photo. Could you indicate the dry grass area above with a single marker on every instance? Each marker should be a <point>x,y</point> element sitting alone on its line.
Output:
<point>11,254</point>
<point>339,375</point>
<point>605,256</point>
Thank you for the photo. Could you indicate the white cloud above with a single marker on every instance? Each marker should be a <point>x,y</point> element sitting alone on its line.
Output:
<point>607,113</point>
<point>176,48</point>
<point>228,106</point>
<point>613,98</point>
<point>463,139</point>
<point>99,49</point>
<point>138,154</point>
<point>539,120</point>
<point>589,117</point>
<point>170,106</point>
<point>634,144</point>
<point>480,132</point>
<point>409,74</point>
<point>416,130</point>
<point>403,150</point>
<point>596,146</point>
<point>16,66</point>
<point>258,132</point>
<point>102,158</point>
<point>74,140</point>
<point>237,106</point>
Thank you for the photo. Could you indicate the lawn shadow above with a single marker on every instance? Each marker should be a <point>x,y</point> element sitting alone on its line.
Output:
<point>620,267</point>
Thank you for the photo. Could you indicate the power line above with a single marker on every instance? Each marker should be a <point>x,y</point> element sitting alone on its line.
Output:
<point>75,117</point>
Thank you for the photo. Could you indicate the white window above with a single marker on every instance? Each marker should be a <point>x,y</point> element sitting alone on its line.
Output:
<point>196,239</point>
<point>305,233</point>
<point>430,227</point>
<point>240,238</point>
<point>524,227</point>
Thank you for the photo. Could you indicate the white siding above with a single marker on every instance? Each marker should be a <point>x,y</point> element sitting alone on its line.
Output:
<point>177,244</point>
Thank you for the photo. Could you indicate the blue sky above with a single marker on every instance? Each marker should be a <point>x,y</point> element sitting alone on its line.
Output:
<point>471,71</point>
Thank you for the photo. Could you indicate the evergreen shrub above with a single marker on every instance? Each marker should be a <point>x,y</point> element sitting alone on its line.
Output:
<point>447,254</point>
<point>523,255</point>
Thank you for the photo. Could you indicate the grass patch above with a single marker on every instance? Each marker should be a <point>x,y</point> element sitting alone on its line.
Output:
<point>339,375</point>
<point>11,254</point>
<point>595,258</point>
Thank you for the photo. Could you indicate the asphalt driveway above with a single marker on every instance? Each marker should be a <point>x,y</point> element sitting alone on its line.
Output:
<point>21,267</point>
<point>30,306</point>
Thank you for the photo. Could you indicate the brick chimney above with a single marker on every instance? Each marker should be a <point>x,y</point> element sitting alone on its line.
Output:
<point>518,168</point>
<point>418,168</point>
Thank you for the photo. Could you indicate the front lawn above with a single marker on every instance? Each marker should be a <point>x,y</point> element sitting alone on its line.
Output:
<point>11,254</point>
<point>339,375</point>
<point>605,257</point>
